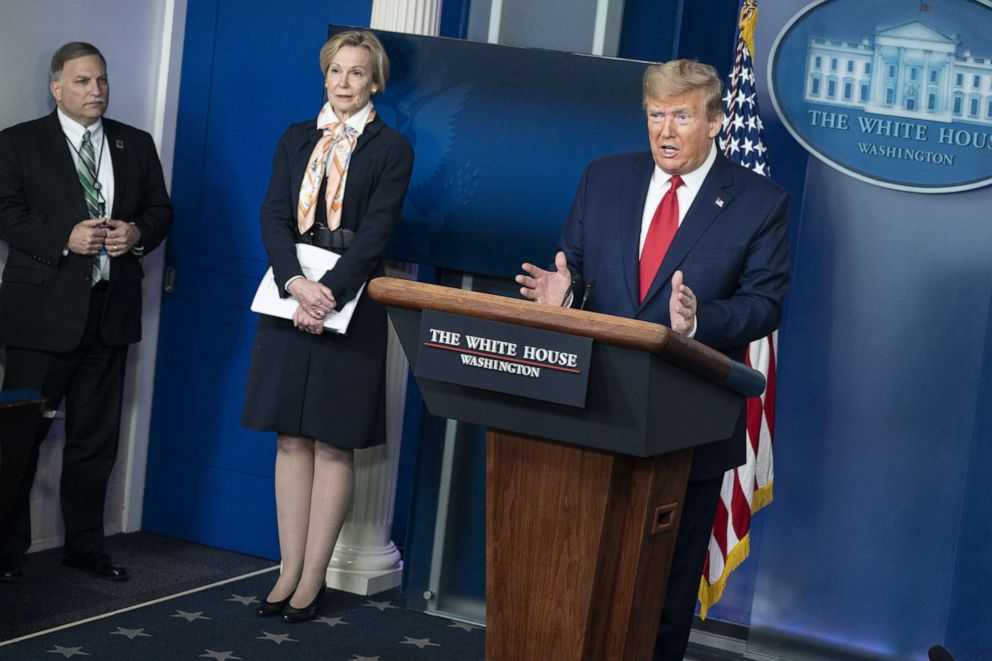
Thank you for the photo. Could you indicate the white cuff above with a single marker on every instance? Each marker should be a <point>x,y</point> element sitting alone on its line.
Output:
<point>285,287</point>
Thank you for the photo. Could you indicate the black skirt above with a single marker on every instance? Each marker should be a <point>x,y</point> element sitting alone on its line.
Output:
<point>328,387</point>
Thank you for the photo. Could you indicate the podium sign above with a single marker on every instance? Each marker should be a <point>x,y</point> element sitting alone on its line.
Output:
<point>507,358</point>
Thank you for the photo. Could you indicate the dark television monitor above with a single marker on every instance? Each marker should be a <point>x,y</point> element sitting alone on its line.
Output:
<point>501,135</point>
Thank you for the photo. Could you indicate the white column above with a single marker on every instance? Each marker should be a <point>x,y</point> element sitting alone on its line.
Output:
<point>365,559</point>
<point>411,16</point>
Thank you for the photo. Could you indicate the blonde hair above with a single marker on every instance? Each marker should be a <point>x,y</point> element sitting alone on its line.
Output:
<point>679,77</point>
<point>378,60</point>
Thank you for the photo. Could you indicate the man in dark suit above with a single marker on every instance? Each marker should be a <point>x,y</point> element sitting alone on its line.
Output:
<point>81,199</point>
<point>683,237</point>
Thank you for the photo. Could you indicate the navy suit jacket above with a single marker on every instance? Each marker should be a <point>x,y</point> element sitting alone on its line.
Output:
<point>378,176</point>
<point>732,247</point>
<point>44,298</point>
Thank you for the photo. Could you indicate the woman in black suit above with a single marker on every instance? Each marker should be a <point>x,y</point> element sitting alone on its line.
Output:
<point>337,183</point>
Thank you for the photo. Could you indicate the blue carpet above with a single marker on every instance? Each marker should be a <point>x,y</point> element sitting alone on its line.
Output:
<point>220,623</point>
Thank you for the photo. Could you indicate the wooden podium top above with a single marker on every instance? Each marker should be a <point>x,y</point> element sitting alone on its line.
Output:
<point>608,329</point>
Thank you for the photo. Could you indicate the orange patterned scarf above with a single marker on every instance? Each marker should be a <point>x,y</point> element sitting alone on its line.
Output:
<point>338,142</point>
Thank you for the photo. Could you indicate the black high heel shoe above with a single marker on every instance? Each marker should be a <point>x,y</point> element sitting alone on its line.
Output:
<point>305,614</point>
<point>272,608</point>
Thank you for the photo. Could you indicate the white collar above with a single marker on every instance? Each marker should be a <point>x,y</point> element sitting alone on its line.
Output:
<point>692,180</point>
<point>74,130</point>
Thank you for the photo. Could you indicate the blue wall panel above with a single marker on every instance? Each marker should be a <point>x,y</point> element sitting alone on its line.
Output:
<point>454,18</point>
<point>650,29</point>
<point>969,623</point>
<point>881,354</point>
<point>875,416</point>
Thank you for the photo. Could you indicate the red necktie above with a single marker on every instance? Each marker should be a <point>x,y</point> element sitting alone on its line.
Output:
<point>664,224</point>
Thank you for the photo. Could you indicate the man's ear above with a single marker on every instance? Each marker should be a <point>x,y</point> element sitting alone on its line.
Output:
<point>715,126</point>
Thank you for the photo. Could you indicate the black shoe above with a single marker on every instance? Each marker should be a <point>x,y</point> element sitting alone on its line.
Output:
<point>305,614</point>
<point>11,568</point>
<point>97,565</point>
<point>271,608</point>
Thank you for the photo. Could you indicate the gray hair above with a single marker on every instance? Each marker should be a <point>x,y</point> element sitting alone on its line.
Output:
<point>71,51</point>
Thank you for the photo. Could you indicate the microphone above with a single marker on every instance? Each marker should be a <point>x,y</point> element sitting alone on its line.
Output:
<point>938,653</point>
<point>568,292</point>
<point>585,295</point>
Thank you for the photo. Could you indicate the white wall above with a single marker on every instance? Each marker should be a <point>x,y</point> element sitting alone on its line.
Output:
<point>142,43</point>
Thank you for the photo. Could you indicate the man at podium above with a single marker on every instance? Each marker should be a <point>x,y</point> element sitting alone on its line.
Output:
<point>680,236</point>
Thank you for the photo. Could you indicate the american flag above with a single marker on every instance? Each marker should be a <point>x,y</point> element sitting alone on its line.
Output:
<point>748,488</point>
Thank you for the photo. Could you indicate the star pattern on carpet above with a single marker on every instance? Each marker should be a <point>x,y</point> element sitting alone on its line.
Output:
<point>68,651</point>
<point>190,617</point>
<point>330,621</point>
<point>244,601</point>
<point>219,656</point>
<point>277,638</point>
<point>419,642</point>
<point>464,626</point>
<point>219,625</point>
<point>380,605</point>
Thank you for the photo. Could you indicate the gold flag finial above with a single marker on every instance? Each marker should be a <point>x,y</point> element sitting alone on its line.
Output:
<point>746,22</point>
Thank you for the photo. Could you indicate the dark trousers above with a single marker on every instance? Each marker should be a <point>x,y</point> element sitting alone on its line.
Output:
<point>90,378</point>
<point>695,526</point>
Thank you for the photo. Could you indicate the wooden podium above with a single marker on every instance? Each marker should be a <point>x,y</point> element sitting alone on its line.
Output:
<point>583,504</point>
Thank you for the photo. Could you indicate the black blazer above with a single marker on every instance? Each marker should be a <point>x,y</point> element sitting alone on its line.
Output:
<point>378,175</point>
<point>44,297</point>
<point>732,247</point>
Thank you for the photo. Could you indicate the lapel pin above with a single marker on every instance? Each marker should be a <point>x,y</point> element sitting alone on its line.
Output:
<point>719,202</point>
<point>119,143</point>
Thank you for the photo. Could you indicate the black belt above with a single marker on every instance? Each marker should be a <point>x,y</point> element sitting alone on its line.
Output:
<point>322,237</point>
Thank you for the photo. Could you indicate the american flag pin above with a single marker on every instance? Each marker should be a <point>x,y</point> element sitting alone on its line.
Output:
<point>119,143</point>
<point>719,202</point>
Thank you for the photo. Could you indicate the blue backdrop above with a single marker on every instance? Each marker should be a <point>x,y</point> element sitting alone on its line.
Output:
<point>881,454</point>
<point>501,136</point>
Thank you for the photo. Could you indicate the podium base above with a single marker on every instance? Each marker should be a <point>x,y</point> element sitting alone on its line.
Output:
<point>365,582</point>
